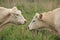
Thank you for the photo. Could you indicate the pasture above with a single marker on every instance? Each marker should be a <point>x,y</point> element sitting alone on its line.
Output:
<point>20,32</point>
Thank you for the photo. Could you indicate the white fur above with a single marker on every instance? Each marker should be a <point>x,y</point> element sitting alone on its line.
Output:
<point>52,18</point>
<point>57,20</point>
<point>15,15</point>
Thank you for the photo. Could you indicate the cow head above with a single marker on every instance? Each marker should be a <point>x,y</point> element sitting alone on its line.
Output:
<point>37,22</point>
<point>16,16</point>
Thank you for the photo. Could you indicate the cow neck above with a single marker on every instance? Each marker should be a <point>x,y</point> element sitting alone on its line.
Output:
<point>51,27</point>
<point>5,18</point>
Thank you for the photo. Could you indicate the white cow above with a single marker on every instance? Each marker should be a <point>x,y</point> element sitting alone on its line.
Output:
<point>11,15</point>
<point>49,20</point>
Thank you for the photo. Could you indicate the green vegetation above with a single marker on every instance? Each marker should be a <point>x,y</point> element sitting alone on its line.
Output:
<point>19,32</point>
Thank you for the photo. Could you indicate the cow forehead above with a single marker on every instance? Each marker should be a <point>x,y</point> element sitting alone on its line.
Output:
<point>36,16</point>
<point>17,11</point>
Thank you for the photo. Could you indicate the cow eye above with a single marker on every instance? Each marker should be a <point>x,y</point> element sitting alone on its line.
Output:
<point>17,14</point>
<point>33,20</point>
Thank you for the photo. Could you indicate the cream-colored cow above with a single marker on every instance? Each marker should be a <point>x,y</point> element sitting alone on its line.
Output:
<point>49,20</point>
<point>11,15</point>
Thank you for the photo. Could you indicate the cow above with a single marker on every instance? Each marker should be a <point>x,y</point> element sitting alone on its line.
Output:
<point>49,20</point>
<point>11,15</point>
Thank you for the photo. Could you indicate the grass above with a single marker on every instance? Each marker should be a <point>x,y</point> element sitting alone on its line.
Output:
<point>19,32</point>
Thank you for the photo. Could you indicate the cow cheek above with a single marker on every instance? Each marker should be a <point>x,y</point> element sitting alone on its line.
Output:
<point>13,20</point>
<point>34,26</point>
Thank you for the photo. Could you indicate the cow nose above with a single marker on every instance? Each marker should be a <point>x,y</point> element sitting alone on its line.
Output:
<point>28,28</point>
<point>24,21</point>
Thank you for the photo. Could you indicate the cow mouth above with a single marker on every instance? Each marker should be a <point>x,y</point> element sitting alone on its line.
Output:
<point>32,29</point>
<point>17,23</point>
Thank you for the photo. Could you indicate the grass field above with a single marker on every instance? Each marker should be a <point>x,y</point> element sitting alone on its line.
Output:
<point>19,32</point>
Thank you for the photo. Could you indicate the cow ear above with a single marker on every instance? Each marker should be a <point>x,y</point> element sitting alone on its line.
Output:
<point>40,16</point>
<point>36,16</point>
<point>14,8</point>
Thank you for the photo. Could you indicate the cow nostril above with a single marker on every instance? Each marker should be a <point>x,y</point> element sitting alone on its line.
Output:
<point>24,21</point>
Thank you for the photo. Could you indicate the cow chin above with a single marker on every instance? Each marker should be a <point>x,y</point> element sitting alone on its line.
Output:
<point>22,23</point>
<point>31,29</point>
<point>16,23</point>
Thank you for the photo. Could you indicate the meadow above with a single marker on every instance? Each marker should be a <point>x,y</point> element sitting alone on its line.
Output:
<point>19,32</point>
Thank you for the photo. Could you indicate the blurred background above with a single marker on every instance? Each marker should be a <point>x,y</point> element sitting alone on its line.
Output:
<point>28,8</point>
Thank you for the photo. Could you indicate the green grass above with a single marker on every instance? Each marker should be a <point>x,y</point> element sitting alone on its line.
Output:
<point>19,32</point>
